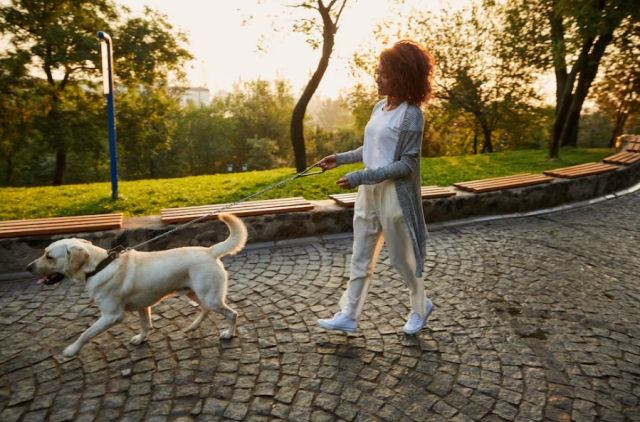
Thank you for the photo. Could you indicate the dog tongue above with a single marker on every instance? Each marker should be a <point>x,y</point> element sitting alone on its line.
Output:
<point>41,280</point>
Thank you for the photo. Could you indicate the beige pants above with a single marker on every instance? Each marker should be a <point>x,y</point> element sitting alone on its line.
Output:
<point>378,218</point>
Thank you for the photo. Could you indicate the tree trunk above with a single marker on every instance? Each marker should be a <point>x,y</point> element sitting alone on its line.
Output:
<point>152,170</point>
<point>565,103</point>
<point>587,75</point>
<point>297,117</point>
<point>559,53</point>
<point>9,169</point>
<point>487,146</point>
<point>617,131</point>
<point>61,168</point>
<point>475,142</point>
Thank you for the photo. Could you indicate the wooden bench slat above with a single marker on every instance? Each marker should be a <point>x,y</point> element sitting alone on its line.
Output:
<point>240,213</point>
<point>29,223</point>
<point>580,167</point>
<point>494,179</point>
<point>247,203</point>
<point>480,183</point>
<point>427,192</point>
<point>236,212</point>
<point>232,210</point>
<point>573,168</point>
<point>434,192</point>
<point>54,225</point>
<point>633,146</point>
<point>62,224</point>
<point>77,227</point>
<point>581,170</point>
<point>529,182</point>
<point>436,195</point>
<point>51,229</point>
<point>81,218</point>
<point>625,158</point>
<point>506,182</point>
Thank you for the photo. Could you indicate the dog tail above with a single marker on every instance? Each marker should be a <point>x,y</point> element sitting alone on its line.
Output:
<point>236,240</point>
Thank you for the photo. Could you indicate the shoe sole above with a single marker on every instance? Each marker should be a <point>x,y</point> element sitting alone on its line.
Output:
<point>429,310</point>
<point>335,328</point>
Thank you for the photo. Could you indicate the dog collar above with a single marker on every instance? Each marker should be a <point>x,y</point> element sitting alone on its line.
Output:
<point>113,254</point>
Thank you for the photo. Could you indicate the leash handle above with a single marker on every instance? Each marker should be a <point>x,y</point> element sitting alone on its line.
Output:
<point>301,174</point>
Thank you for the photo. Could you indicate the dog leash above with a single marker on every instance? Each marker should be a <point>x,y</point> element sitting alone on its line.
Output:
<point>116,252</point>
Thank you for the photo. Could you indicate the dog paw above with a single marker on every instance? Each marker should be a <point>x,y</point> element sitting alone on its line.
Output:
<point>69,351</point>
<point>136,340</point>
<point>226,335</point>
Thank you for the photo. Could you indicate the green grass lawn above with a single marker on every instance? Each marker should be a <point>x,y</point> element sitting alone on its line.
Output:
<point>148,197</point>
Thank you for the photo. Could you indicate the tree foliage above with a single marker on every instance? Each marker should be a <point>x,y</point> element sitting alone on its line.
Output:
<point>570,37</point>
<point>60,37</point>
<point>19,104</point>
<point>617,91</point>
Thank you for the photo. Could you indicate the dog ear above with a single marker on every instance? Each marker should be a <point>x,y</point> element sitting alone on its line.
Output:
<point>79,255</point>
<point>86,241</point>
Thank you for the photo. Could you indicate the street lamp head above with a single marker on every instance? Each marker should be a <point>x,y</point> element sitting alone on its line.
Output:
<point>105,46</point>
<point>104,36</point>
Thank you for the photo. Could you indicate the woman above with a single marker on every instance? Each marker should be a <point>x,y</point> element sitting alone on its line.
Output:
<point>389,204</point>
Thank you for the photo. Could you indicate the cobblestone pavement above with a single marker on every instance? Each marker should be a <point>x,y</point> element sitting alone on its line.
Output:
<point>535,319</point>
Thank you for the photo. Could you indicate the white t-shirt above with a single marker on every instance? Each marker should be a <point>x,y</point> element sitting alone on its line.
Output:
<point>381,136</point>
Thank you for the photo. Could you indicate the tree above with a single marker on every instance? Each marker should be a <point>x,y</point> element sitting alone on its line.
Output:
<point>477,84</point>
<point>319,22</point>
<point>19,103</point>
<point>146,130</point>
<point>260,109</point>
<point>205,137</point>
<point>149,51</point>
<point>556,33</point>
<point>617,91</point>
<point>262,154</point>
<point>60,36</point>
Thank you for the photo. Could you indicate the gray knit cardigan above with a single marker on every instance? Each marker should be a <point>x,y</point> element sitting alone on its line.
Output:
<point>405,170</point>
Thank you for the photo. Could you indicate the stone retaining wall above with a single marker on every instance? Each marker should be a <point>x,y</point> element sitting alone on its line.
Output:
<point>328,218</point>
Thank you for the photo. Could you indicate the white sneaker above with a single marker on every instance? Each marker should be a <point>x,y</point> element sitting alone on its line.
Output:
<point>339,322</point>
<point>415,322</point>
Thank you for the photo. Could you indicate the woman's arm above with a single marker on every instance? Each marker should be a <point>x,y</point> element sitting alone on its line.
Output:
<point>350,157</point>
<point>395,170</point>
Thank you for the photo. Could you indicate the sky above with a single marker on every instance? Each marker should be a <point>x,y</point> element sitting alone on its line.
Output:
<point>228,50</point>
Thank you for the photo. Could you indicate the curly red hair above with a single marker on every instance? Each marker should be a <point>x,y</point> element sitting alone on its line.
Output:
<point>410,68</point>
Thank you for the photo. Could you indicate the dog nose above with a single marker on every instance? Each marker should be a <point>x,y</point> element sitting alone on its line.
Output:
<point>30,268</point>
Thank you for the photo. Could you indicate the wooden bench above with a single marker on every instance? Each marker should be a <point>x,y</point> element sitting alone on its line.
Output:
<point>506,182</point>
<point>56,225</point>
<point>271,206</point>
<point>623,158</point>
<point>633,146</point>
<point>581,170</point>
<point>428,192</point>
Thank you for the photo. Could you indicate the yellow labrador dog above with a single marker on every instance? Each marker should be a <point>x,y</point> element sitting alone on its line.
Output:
<point>137,280</point>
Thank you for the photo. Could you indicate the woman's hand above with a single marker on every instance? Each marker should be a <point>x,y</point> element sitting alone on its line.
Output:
<point>328,163</point>
<point>344,183</point>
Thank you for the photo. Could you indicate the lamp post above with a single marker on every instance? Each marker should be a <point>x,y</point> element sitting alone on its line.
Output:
<point>107,84</point>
